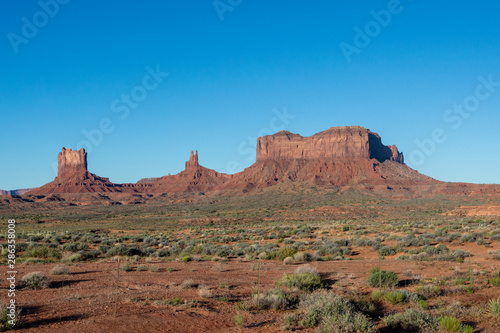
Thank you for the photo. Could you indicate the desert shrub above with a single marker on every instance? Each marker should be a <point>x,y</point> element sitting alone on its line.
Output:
<point>394,297</point>
<point>204,291</point>
<point>376,295</point>
<point>450,324</point>
<point>494,307</point>
<point>141,268</point>
<point>495,281</point>
<point>35,280</point>
<point>333,314</point>
<point>304,278</point>
<point>428,291</point>
<point>467,238</point>
<point>386,251</point>
<point>7,317</point>
<point>90,254</point>
<point>75,247</point>
<point>302,257</point>
<point>286,252</point>
<point>126,267</point>
<point>411,320</point>
<point>103,248</point>
<point>399,296</point>
<point>379,277</point>
<point>187,284</point>
<point>409,240</point>
<point>42,252</point>
<point>72,257</point>
<point>59,270</point>
<point>117,250</point>
<point>274,299</point>
<point>288,261</point>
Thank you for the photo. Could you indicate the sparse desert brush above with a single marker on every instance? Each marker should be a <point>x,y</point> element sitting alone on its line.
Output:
<point>35,280</point>
<point>450,324</point>
<point>332,313</point>
<point>394,297</point>
<point>126,267</point>
<point>6,321</point>
<point>382,278</point>
<point>494,307</point>
<point>141,268</point>
<point>411,320</point>
<point>285,252</point>
<point>187,284</point>
<point>204,291</point>
<point>428,291</point>
<point>302,257</point>
<point>59,270</point>
<point>305,278</point>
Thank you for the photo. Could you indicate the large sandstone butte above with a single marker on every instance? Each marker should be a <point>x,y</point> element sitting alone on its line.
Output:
<point>347,142</point>
<point>339,156</point>
<point>73,176</point>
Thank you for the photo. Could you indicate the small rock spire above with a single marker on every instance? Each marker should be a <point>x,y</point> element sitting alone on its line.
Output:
<point>193,160</point>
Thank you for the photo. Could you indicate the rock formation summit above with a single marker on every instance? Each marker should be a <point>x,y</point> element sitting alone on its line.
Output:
<point>339,156</point>
<point>73,176</point>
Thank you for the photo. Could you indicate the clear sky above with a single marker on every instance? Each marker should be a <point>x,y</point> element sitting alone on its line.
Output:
<point>240,69</point>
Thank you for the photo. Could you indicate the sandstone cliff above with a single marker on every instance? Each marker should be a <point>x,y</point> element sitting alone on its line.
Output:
<point>347,142</point>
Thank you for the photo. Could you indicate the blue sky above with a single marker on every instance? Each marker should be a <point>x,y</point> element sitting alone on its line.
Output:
<point>232,67</point>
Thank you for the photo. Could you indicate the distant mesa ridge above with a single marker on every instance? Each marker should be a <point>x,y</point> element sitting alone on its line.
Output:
<point>339,156</point>
<point>347,142</point>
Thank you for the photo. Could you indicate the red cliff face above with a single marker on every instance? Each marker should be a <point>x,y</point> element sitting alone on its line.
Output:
<point>348,142</point>
<point>71,162</point>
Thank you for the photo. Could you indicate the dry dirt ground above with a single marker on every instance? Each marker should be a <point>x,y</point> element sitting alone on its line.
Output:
<point>84,300</point>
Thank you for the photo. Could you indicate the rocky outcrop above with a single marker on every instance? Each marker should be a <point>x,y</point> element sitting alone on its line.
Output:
<point>192,163</point>
<point>339,156</point>
<point>347,142</point>
<point>73,177</point>
<point>71,162</point>
<point>194,178</point>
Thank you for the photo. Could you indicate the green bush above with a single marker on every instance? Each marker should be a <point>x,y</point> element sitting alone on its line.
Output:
<point>333,313</point>
<point>126,267</point>
<point>384,278</point>
<point>495,281</point>
<point>386,251</point>
<point>394,297</point>
<point>450,324</point>
<point>35,280</point>
<point>5,320</point>
<point>285,252</point>
<point>428,291</point>
<point>307,281</point>
<point>411,320</point>
<point>494,307</point>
